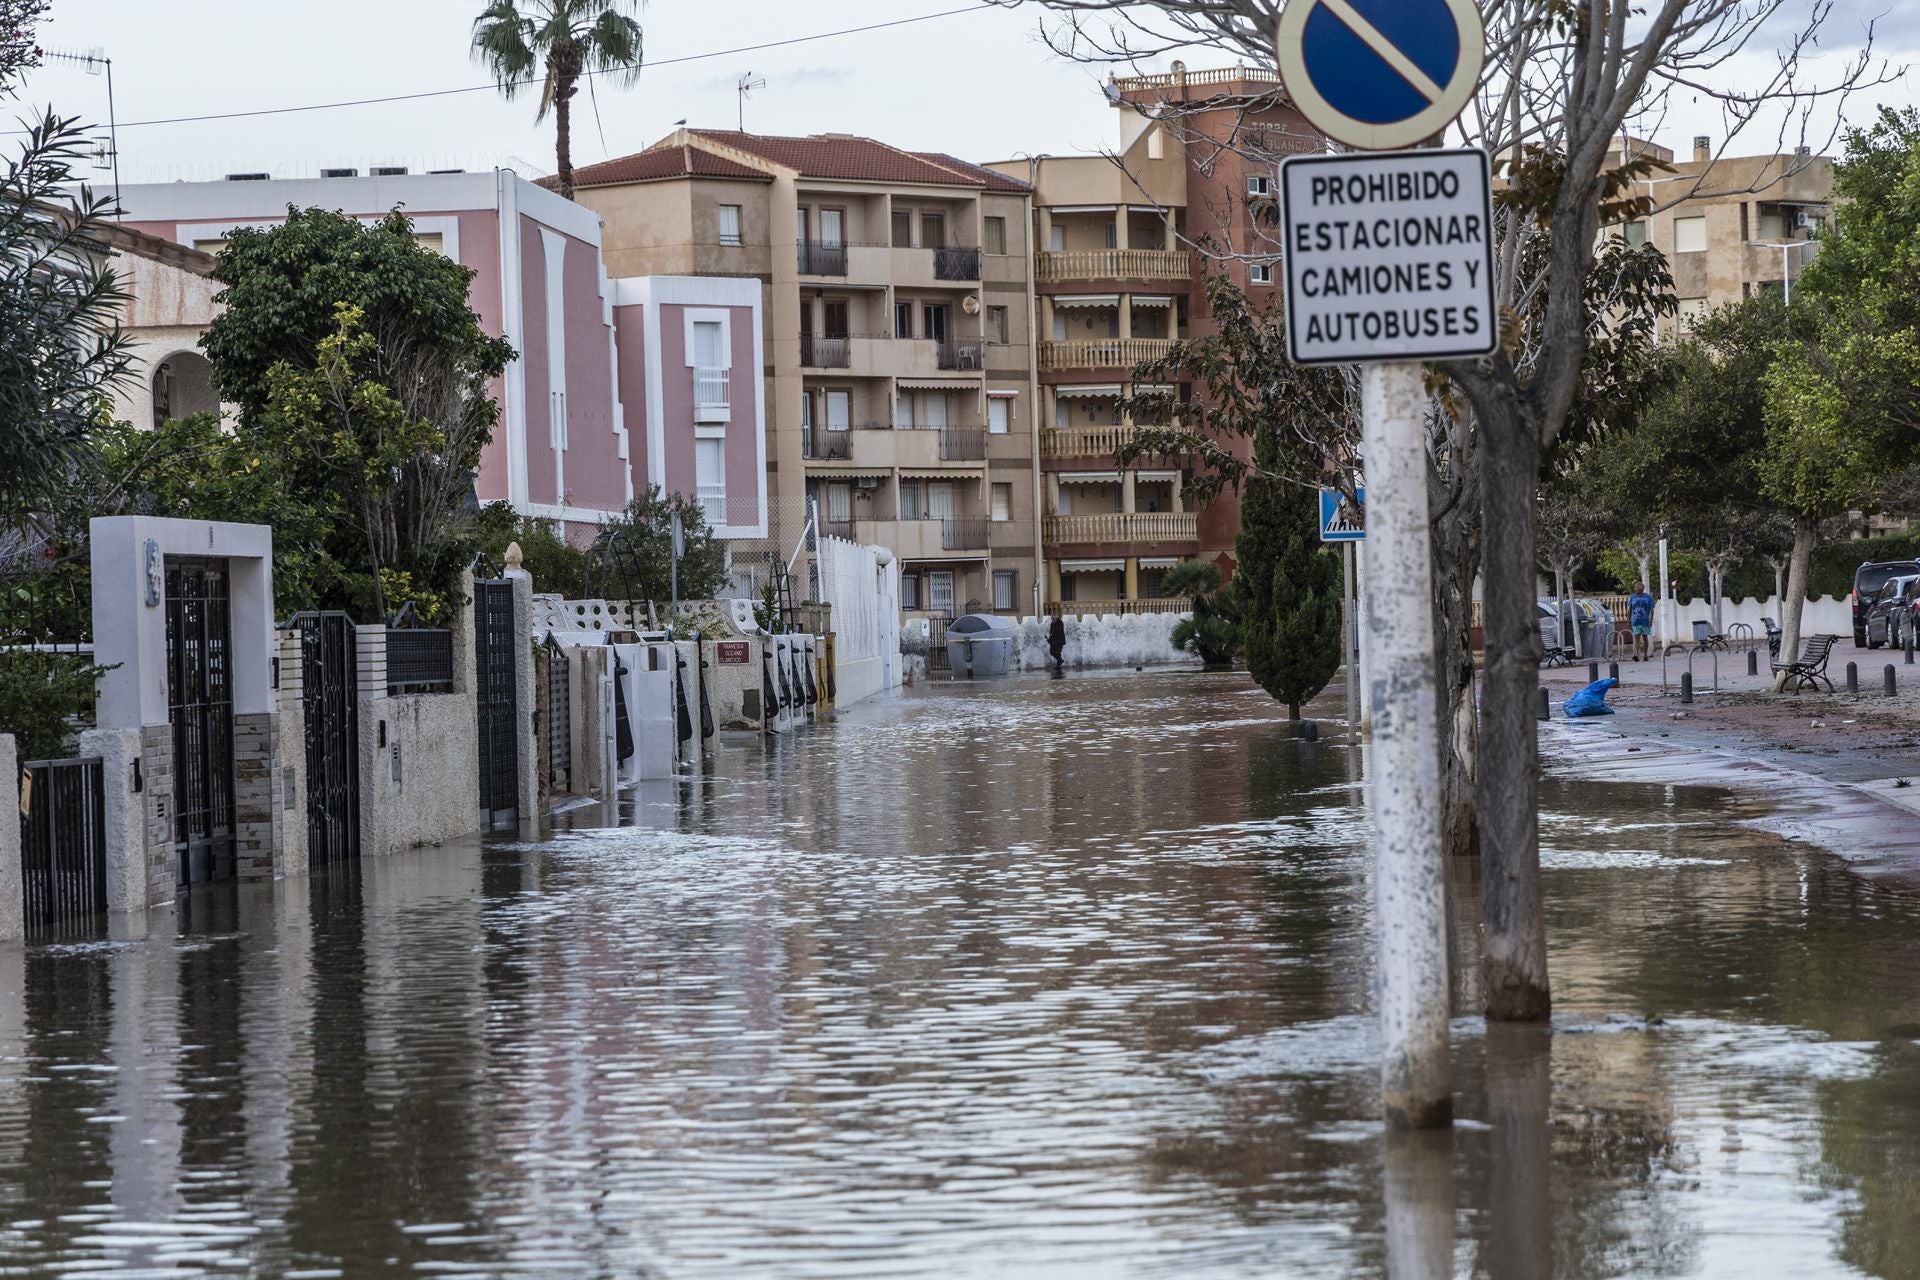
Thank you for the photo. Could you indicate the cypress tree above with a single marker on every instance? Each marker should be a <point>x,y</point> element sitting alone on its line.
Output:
<point>1290,588</point>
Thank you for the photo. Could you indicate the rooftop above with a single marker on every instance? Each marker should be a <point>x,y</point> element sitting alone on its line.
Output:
<point>666,160</point>
<point>840,156</point>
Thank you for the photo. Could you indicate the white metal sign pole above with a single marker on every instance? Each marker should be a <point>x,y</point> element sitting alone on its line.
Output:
<point>1351,604</point>
<point>1410,908</point>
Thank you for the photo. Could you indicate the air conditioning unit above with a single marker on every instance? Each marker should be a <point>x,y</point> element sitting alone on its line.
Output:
<point>867,482</point>
<point>339,173</point>
<point>1806,220</point>
<point>388,171</point>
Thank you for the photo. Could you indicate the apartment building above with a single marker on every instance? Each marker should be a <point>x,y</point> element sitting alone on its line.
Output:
<point>1123,243</point>
<point>620,383</point>
<point>898,368</point>
<point>1733,226</point>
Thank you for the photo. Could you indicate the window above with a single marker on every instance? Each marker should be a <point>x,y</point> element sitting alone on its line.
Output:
<point>999,415</point>
<point>730,224</point>
<point>1059,326</point>
<point>1634,233</point>
<point>1002,500</point>
<point>933,230</point>
<point>994,235</point>
<point>1692,312</point>
<point>839,410</point>
<point>940,591</point>
<point>939,499</point>
<point>711,393</point>
<point>902,229</point>
<point>1690,235</point>
<point>1066,585</point>
<point>832,227</point>
<point>1113,235</point>
<point>997,325</point>
<point>840,502</point>
<point>1259,184</point>
<point>1156,144</point>
<point>1062,412</point>
<point>933,410</point>
<point>1003,583</point>
<point>1057,239</point>
<point>903,417</point>
<point>903,319</point>
<point>1773,222</point>
<point>1065,505</point>
<point>910,591</point>
<point>1260,272</point>
<point>911,506</point>
<point>833,314</point>
<point>710,480</point>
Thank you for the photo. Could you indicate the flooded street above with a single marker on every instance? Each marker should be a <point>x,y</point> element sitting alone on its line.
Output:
<point>1042,978</point>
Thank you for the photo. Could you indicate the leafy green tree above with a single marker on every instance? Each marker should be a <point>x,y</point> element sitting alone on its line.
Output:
<point>362,372</point>
<point>1290,591</point>
<point>562,40</point>
<point>1212,631</point>
<point>633,556</point>
<point>556,564</point>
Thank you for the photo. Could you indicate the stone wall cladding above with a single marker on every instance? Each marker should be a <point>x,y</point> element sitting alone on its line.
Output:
<point>12,906</point>
<point>436,795</point>
<point>290,787</point>
<point>126,833</point>
<point>256,794</point>
<point>156,770</point>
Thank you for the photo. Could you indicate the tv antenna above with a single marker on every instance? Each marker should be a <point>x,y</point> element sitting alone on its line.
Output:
<point>745,89</point>
<point>96,61</point>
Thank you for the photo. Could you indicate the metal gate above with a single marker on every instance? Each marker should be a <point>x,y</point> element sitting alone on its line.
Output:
<point>559,721</point>
<point>200,708</point>
<point>63,845</point>
<point>328,693</point>
<point>496,657</point>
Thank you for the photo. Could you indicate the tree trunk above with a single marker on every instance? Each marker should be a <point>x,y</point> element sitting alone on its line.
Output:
<point>1796,598</point>
<point>1646,567</point>
<point>1459,717</point>
<point>1514,946</point>
<point>563,136</point>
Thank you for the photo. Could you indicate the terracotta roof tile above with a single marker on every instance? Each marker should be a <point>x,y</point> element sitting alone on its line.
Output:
<point>665,161</point>
<point>849,158</point>
<point>986,177</point>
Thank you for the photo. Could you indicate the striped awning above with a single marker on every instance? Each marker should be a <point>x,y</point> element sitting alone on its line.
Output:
<point>1159,562</point>
<point>1090,390</point>
<point>1093,566</point>
<point>1089,477</point>
<point>1152,300</point>
<point>1156,475</point>
<point>1063,300</point>
<point>954,472</point>
<point>938,384</point>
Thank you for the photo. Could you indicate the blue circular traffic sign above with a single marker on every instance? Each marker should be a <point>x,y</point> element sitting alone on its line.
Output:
<point>1380,74</point>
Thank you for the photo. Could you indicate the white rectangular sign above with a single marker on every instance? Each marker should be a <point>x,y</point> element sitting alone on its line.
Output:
<point>1389,257</point>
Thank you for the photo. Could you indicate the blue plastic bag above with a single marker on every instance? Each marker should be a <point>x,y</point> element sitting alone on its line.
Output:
<point>1590,701</point>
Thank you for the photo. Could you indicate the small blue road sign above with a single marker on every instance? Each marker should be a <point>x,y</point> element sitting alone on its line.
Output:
<point>1381,74</point>
<point>1343,519</point>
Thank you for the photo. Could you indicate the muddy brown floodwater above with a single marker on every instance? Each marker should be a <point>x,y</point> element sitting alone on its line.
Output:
<point>1038,978</point>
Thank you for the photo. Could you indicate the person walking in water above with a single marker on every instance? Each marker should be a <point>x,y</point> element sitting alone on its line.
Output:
<point>1640,618</point>
<point>1057,641</point>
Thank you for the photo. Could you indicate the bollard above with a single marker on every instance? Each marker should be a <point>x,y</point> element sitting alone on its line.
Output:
<point>1753,662</point>
<point>1546,704</point>
<point>1907,643</point>
<point>1889,679</point>
<point>1593,672</point>
<point>1686,688</point>
<point>1853,678</point>
<point>1613,671</point>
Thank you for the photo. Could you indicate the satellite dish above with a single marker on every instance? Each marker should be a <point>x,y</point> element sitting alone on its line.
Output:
<point>970,304</point>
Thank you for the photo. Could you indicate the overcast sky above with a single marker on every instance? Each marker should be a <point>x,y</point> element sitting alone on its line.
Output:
<point>978,83</point>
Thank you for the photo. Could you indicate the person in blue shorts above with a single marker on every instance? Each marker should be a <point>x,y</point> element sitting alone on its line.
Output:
<point>1640,618</point>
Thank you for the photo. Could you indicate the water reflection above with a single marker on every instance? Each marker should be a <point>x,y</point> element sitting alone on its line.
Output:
<point>1062,977</point>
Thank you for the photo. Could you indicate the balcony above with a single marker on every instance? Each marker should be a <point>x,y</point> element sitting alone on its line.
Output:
<point>1119,526</point>
<point>1100,608</point>
<point>955,263</point>
<point>712,395</point>
<point>1115,264</point>
<point>964,533</point>
<point>1083,442</point>
<point>1102,353</point>
<point>960,354</point>
<point>962,444</point>
<point>1191,79</point>
<point>818,259</point>
<point>825,353</point>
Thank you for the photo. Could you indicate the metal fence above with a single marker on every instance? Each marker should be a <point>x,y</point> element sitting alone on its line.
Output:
<point>63,844</point>
<point>559,721</point>
<point>419,660</point>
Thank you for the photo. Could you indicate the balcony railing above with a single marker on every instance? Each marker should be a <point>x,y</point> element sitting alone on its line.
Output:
<point>1098,608</point>
<point>963,533</point>
<point>1103,353</point>
<point>1216,75</point>
<point>1118,526</point>
<point>1115,264</point>
<point>960,355</point>
<point>954,263</point>
<point>818,259</point>
<point>825,353</point>
<point>826,444</point>
<point>1083,442</point>
<point>837,529</point>
<point>962,444</point>
<point>712,395</point>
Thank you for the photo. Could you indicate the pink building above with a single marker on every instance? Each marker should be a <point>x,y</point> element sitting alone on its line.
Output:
<point>619,383</point>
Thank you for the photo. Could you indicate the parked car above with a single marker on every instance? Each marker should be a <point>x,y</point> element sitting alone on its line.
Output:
<point>1892,617</point>
<point>1869,583</point>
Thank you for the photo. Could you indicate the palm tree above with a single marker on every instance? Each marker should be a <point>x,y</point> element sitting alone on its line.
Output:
<point>574,38</point>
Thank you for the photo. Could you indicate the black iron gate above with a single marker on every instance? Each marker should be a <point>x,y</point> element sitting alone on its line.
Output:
<point>200,708</point>
<point>63,845</point>
<point>496,660</point>
<point>559,721</point>
<point>328,692</point>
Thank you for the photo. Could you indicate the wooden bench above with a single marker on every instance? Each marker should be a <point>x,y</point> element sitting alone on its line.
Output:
<point>1810,672</point>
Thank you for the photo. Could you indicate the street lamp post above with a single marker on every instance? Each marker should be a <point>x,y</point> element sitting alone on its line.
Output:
<point>1786,249</point>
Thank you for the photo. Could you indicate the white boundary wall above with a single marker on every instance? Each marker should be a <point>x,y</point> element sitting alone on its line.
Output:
<point>862,584</point>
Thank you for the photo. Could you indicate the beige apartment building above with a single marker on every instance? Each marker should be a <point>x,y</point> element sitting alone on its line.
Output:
<point>1122,245</point>
<point>898,312</point>
<point>1733,226</point>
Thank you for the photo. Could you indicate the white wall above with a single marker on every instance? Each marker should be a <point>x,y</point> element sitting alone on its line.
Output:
<point>863,585</point>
